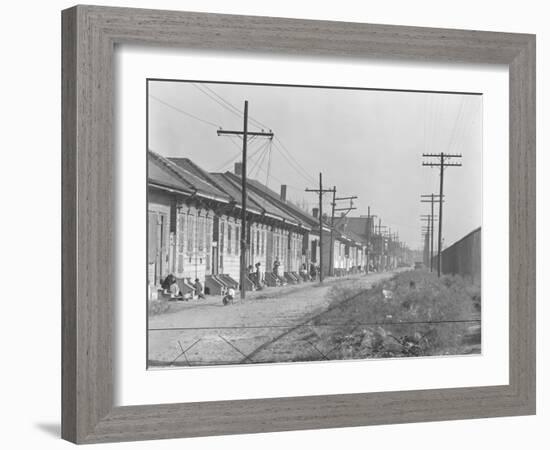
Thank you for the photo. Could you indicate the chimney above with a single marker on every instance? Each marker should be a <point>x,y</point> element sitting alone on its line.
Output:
<point>283,192</point>
<point>239,168</point>
<point>316,212</point>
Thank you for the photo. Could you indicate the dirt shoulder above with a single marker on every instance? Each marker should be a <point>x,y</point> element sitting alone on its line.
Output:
<point>205,332</point>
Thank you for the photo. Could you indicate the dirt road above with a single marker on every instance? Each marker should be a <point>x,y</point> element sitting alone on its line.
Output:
<point>272,325</point>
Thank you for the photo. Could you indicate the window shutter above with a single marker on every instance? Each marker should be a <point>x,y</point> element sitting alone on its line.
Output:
<point>180,243</point>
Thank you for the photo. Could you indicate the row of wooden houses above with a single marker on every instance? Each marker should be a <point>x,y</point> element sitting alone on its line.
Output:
<point>194,229</point>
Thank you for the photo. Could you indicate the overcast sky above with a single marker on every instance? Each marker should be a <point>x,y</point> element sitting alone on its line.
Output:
<point>366,143</point>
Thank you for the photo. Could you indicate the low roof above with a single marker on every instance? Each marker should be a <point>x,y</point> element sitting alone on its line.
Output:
<point>163,172</point>
<point>230,184</point>
<point>274,198</point>
<point>264,203</point>
<point>184,175</point>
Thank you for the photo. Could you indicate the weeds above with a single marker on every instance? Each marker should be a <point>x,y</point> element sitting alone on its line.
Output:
<point>414,313</point>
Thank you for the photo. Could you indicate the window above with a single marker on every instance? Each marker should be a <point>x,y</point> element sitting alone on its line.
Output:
<point>237,240</point>
<point>252,242</point>
<point>191,224</point>
<point>208,242</point>
<point>180,241</point>
<point>222,237</point>
<point>208,233</point>
<point>229,235</point>
<point>200,233</point>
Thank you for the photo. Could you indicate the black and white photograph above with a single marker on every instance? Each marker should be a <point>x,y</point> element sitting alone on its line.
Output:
<point>293,224</point>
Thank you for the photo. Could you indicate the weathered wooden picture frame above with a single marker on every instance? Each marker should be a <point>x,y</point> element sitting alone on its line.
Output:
<point>90,34</point>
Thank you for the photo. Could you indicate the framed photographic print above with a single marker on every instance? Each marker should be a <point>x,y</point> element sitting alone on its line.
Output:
<point>278,224</point>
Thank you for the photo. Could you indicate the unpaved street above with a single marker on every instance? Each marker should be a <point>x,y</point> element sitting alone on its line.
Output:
<point>272,325</point>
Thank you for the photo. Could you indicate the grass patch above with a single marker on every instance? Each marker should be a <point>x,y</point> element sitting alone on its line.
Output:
<point>415,313</point>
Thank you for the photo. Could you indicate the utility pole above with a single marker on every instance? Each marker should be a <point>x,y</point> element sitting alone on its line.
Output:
<point>369,218</point>
<point>429,219</point>
<point>321,191</point>
<point>245,134</point>
<point>334,209</point>
<point>331,253</point>
<point>431,198</point>
<point>382,240</point>
<point>380,227</point>
<point>425,233</point>
<point>443,160</point>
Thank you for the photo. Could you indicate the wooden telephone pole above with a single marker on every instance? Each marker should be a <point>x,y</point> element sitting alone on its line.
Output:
<point>332,225</point>
<point>429,219</point>
<point>245,134</point>
<point>431,198</point>
<point>321,191</point>
<point>369,218</point>
<point>382,240</point>
<point>443,160</point>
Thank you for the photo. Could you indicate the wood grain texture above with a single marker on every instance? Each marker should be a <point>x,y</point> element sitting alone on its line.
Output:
<point>89,36</point>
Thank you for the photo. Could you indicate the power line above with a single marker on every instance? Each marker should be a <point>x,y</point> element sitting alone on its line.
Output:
<point>283,146</point>
<point>252,119</point>
<point>264,157</point>
<point>236,156</point>
<point>231,110</point>
<point>260,157</point>
<point>457,120</point>
<point>228,105</point>
<point>293,165</point>
<point>281,181</point>
<point>181,111</point>
<point>269,164</point>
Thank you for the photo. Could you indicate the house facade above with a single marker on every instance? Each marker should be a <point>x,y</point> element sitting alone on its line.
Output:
<point>194,228</point>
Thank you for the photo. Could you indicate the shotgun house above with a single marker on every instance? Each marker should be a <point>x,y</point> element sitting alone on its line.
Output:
<point>182,210</point>
<point>194,229</point>
<point>272,235</point>
<point>357,251</point>
<point>310,246</point>
<point>361,231</point>
<point>275,236</point>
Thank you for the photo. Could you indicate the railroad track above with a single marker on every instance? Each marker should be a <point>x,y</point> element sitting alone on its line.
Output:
<point>305,323</point>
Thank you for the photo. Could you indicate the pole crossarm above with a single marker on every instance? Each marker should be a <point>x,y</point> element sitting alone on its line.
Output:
<point>346,198</point>
<point>319,190</point>
<point>440,165</point>
<point>248,133</point>
<point>438,155</point>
